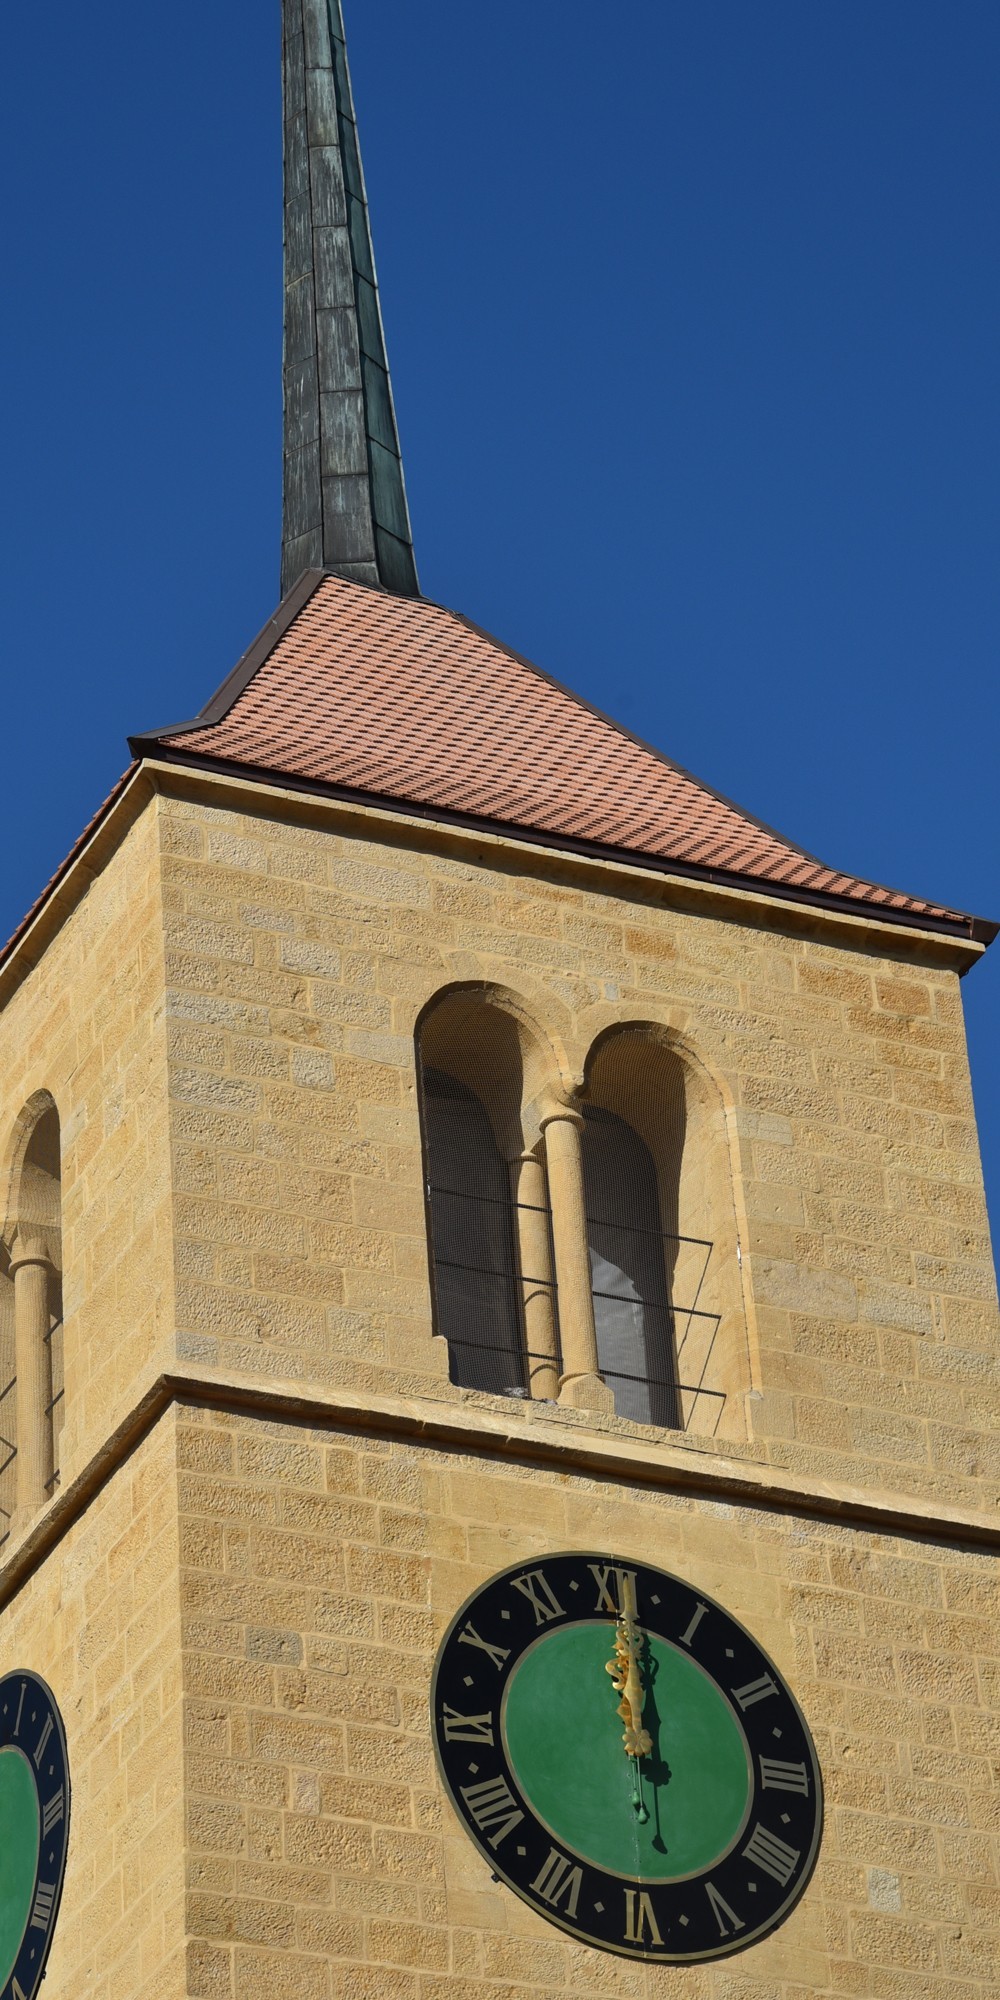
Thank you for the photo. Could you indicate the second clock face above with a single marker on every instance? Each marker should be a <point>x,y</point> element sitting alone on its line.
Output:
<point>688,1838</point>
<point>34,1828</point>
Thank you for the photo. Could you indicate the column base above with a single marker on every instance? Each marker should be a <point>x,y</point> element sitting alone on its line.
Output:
<point>586,1392</point>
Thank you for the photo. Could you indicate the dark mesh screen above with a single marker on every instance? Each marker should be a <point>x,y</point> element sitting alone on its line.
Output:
<point>475,1272</point>
<point>628,1271</point>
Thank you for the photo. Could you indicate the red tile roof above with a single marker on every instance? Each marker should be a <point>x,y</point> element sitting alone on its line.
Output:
<point>399,699</point>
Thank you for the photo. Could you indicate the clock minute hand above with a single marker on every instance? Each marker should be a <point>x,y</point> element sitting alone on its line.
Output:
<point>626,1672</point>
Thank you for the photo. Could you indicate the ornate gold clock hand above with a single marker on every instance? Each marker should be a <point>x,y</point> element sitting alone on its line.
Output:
<point>626,1672</point>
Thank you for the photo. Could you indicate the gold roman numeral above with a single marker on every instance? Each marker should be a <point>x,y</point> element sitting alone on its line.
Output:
<point>640,1918</point>
<point>468,1636</point>
<point>466,1728</point>
<point>493,1804</point>
<point>755,1691</point>
<point>727,1919</point>
<point>41,1915</point>
<point>43,1739</point>
<point>53,1812</point>
<point>778,1777</point>
<point>557,1878</point>
<point>700,1613</point>
<point>771,1854</point>
<point>536,1589</point>
<point>601,1573</point>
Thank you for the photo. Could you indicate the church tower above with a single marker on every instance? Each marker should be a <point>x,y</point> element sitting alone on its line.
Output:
<point>499,1359</point>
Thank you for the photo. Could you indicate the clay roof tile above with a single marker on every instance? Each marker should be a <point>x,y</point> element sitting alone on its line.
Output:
<point>356,689</point>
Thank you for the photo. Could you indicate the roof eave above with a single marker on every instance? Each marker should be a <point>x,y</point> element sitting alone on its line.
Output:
<point>963,927</point>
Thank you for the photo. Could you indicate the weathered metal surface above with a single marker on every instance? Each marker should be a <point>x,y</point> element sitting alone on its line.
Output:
<point>344,496</point>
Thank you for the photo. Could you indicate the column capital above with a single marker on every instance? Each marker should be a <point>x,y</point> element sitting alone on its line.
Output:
<point>564,1111</point>
<point>32,1246</point>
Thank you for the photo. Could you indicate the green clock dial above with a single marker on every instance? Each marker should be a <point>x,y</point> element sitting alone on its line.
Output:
<point>627,1758</point>
<point>34,1830</point>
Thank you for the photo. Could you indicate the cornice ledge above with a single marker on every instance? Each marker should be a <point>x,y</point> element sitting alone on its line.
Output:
<point>544,1439</point>
<point>866,927</point>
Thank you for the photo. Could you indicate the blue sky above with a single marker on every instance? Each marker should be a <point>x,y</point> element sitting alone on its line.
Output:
<point>693,313</point>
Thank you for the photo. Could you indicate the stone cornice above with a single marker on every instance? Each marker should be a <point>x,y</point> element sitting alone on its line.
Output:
<point>556,1439</point>
<point>304,806</point>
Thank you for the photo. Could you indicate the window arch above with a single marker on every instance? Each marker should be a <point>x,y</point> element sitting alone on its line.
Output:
<point>661,1233</point>
<point>31,1315</point>
<point>480,1068</point>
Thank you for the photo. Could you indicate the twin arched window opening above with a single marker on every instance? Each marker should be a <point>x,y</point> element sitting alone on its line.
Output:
<point>646,1167</point>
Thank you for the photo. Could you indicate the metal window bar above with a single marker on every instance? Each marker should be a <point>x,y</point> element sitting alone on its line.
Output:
<point>51,1407</point>
<point>695,1345</point>
<point>503,1295</point>
<point>8,1453</point>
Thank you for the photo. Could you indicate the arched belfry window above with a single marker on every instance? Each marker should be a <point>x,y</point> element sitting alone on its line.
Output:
<point>630,1262</point>
<point>491,1258</point>
<point>31,1333</point>
<point>472,1235</point>
<point>661,1237</point>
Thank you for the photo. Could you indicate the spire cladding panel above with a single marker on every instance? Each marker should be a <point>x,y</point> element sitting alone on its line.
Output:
<point>344,498</point>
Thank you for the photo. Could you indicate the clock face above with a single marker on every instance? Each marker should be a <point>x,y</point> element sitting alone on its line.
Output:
<point>34,1830</point>
<point>626,1757</point>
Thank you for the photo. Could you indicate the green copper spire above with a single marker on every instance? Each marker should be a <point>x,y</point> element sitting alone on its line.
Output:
<point>344,499</point>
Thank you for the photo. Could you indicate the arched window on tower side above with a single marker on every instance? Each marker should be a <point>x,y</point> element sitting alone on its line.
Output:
<point>8,1405</point>
<point>661,1234</point>
<point>33,1250</point>
<point>488,1221</point>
